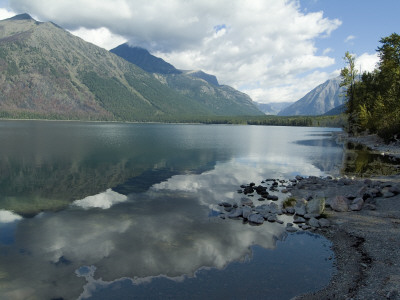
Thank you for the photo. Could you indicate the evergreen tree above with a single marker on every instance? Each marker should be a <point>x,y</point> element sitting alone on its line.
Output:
<point>373,103</point>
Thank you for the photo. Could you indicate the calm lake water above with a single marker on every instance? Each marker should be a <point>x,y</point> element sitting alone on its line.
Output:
<point>130,211</point>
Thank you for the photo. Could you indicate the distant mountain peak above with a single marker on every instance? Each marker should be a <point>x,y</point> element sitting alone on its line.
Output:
<point>143,59</point>
<point>24,16</point>
<point>212,79</point>
<point>318,101</point>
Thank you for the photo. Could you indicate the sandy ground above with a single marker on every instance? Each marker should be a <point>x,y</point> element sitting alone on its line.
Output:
<point>366,243</point>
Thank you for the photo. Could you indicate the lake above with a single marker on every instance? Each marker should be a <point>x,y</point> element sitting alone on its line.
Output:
<point>130,211</point>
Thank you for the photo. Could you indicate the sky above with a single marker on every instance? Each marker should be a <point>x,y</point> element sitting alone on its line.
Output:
<point>273,50</point>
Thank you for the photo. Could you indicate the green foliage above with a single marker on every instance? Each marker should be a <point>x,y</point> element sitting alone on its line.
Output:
<point>289,202</point>
<point>116,98</point>
<point>12,68</point>
<point>374,101</point>
<point>303,121</point>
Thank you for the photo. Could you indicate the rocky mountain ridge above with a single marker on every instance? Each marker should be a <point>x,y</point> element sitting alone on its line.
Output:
<point>46,72</point>
<point>318,101</point>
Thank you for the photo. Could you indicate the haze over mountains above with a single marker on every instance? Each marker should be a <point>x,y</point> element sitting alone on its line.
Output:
<point>46,72</point>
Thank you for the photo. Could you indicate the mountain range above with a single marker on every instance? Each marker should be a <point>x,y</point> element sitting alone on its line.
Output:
<point>273,108</point>
<point>46,72</point>
<point>318,101</point>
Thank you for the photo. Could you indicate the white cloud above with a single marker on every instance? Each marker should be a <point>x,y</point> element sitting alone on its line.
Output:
<point>349,38</point>
<point>367,62</point>
<point>101,37</point>
<point>5,14</point>
<point>327,50</point>
<point>258,46</point>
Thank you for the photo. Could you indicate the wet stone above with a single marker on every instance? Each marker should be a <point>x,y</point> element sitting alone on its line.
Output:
<point>246,201</point>
<point>324,222</point>
<point>291,229</point>
<point>357,204</point>
<point>272,197</point>
<point>313,222</point>
<point>340,204</point>
<point>298,220</point>
<point>246,211</point>
<point>290,210</point>
<point>236,213</point>
<point>256,219</point>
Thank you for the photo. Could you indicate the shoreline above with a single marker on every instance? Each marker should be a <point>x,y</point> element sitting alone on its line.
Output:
<point>366,242</point>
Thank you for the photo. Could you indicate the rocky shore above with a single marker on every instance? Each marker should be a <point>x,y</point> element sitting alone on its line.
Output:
<point>360,216</point>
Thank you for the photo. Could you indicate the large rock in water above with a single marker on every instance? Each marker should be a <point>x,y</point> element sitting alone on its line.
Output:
<point>256,219</point>
<point>246,211</point>
<point>316,206</point>
<point>300,207</point>
<point>238,212</point>
<point>246,201</point>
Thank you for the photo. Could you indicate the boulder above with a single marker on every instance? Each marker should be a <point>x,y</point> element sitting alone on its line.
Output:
<point>274,208</point>
<point>304,226</point>
<point>395,189</point>
<point>246,211</point>
<point>290,210</point>
<point>315,206</point>
<point>291,229</point>
<point>309,216</point>
<point>246,201</point>
<point>357,204</point>
<point>272,197</point>
<point>256,219</point>
<point>313,222</point>
<point>299,220</point>
<point>236,213</point>
<point>340,204</point>
<point>388,194</point>
<point>324,222</point>
<point>300,207</point>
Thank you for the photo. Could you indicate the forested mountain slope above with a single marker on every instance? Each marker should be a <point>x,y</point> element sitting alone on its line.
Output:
<point>46,72</point>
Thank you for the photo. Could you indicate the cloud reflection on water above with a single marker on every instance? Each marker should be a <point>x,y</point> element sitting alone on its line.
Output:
<point>162,229</point>
<point>148,235</point>
<point>103,200</point>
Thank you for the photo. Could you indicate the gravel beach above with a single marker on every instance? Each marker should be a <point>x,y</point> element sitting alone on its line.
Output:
<point>366,242</point>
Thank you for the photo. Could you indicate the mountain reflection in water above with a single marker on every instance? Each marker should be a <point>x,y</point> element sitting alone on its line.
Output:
<point>144,216</point>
